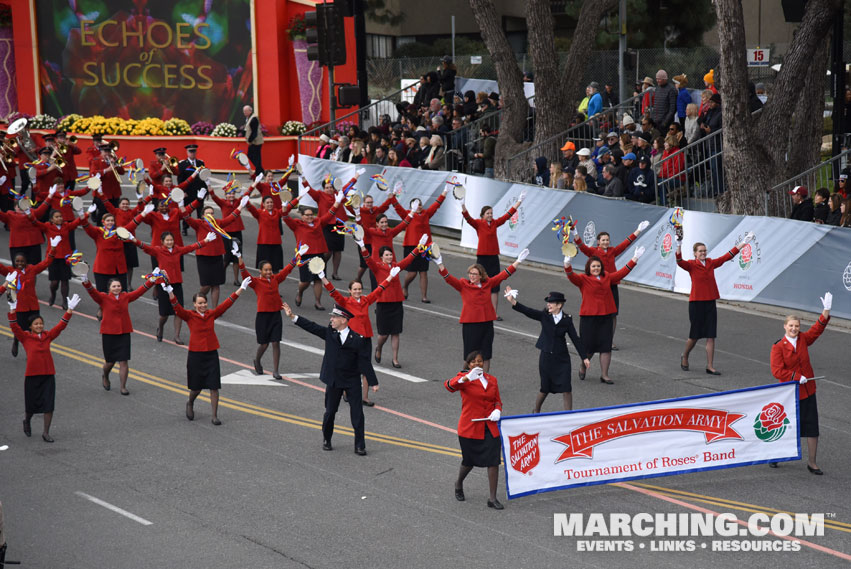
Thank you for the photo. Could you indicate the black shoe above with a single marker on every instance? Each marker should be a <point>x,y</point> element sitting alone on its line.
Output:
<point>495,505</point>
<point>105,383</point>
<point>606,381</point>
<point>52,299</point>
<point>326,445</point>
<point>397,365</point>
<point>499,318</point>
<point>615,348</point>
<point>459,494</point>
<point>369,403</point>
<point>216,421</point>
<point>27,429</point>
<point>298,299</point>
<point>377,357</point>
<point>159,333</point>
<point>582,375</point>
<point>277,376</point>
<point>362,452</point>
<point>816,471</point>
<point>683,366</point>
<point>426,301</point>
<point>15,348</point>
<point>335,278</point>
<point>713,371</point>
<point>190,412</point>
<point>318,307</point>
<point>772,465</point>
<point>48,439</point>
<point>125,392</point>
<point>258,369</point>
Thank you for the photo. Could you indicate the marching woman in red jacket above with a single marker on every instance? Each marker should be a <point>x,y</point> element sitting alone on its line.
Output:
<point>116,327</point>
<point>109,258</point>
<point>367,215</point>
<point>598,308</point>
<point>308,231</point>
<point>419,224</point>
<point>477,312</point>
<point>487,251</point>
<point>608,255</point>
<point>702,314</point>
<point>202,363</point>
<point>268,324</point>
<point>478,433</point>
<point>268,218</point>
<point>234,227</point>
<point>124,216</point>
<point>59,272</point>
<point>40,380</point>
<point>327,201</point>
<point>23,236</point>
<point>25,279</point>
<point>790,361</point>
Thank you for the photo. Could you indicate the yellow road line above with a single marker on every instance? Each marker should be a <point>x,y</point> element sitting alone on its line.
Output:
<point>249,408</point>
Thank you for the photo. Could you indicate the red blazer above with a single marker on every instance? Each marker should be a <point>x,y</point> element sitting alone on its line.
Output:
<point>790,364</point>
<point>22,233</point>
<point>597,299</point>
<point>379,238</point>
<point>44,180</point>
<point>156,172</point>
<point>477,402</point>
<point>393,292</point>
<point>607,255</point>
<point>27,299</point>
<point>67,211</point>
<point>109,259</point>
<point>109,183</point>
<point>703,285</point>
<point>37,346</point>
<point>169,260</point>
<point>51,230</point>
<point>268,297</point>
<point>368,215</point>
<point>210,248</point>
<point>161,192</point>
<point>310,234</point>
<point>324,200</point>
<point>266,191</point>
<point>488,242</point>
<point>159,224</point>
<point>420,222</point>
<point>358,307</point>
<point>202,333</point>
<point>228,207</point>
<point>116,311</point>
<point>268,222</point>
<point>124,218</point>
<point>69,172</point>
<point>476,305</point>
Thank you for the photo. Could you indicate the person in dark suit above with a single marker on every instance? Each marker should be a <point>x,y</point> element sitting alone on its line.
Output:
<point>185,169</point>
<point>554,361</point>
<point>346,358</point>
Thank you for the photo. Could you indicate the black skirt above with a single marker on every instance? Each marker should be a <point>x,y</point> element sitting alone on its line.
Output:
<point>596,333</point>
<point>304,274</point>
<point>164,303</point>
<point>211,270</point>
<point>389,317</point>
<point>39,393</point>
<point>477,336</point>
<point>102,281</point>
<point>59,270</point>
<point>491,265</point>
<point>809,416</point>
<point>271,253</point>
<point>268,327</point>
<point>31,252</point>
<point>131,255</point>
<point>555,373</point>
<point>335,241</point>
<point>229,257</point>
<point>203,371</point>
<point>703,317</point>
<point>116,347</point>
<point>617,298</point>
<point>480,452</point>
<point>419,264</point>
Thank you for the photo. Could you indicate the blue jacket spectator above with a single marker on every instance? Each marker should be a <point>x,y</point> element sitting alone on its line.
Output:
<point>542,174</point>
<point>595,103</point>
<point>641,184</point>
<point>683,97</point>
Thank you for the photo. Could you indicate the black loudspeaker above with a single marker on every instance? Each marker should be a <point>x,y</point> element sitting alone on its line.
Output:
<point>793,10</point>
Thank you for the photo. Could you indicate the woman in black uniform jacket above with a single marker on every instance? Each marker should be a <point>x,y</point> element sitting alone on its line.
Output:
<point>554,361</point>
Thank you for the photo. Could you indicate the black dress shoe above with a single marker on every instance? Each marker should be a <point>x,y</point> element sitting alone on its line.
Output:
<point>258,369</point>
<point>377,357</point>
<point>459,494</point>
<point>27,429</point>
<point>606,381</point>
<point>495,505</point>
<point>499,318</point>
<point>15,348</point>
<point>105,383</point>
<point>216,421</point>
<point>713,371</point>
<point>159,333</point>
<point>362,452</point>
<point>582,375</point>
<point>816,471</point>
<point>426,301</point>
<point>125,392</point>
<point>683,366</point>
<point>277,376</point>
<point>190,412</point>
<point>369,403</point>
<point>772,465</point>
<point>48,439</point>
<point>615,348</point>
<point>397,365</point>
<point>326,445</point>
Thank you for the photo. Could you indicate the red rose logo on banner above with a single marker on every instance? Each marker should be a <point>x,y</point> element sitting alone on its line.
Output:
<point>771,423</point>
<point>525,453</point>
<point>139,58</point>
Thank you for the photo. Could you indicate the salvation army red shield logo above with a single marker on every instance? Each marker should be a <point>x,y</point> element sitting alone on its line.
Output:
<point>524,453</point>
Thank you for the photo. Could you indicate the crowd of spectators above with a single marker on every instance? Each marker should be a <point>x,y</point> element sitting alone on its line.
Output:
<point>825,207</point>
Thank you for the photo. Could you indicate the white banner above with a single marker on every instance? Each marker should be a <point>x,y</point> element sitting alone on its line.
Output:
<point>553,451</point>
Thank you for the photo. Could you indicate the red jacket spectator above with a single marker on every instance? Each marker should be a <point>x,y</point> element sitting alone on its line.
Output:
<point>37,346</point>
<point>116,311</point>
<point>597,299</point>
<point>703,285</point>
<point>476,304</point>
<point>673,167</point>
<point>477,401</point>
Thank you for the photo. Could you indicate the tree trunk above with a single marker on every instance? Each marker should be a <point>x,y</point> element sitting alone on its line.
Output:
<point>510,80</point>
<point>551,113</point>
<point>756,147</point>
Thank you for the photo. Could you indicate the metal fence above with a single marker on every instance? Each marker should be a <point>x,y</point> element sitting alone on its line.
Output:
<point>693,176</point>
<point>823,175</point>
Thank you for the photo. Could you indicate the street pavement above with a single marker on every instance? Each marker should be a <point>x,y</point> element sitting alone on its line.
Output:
<point>130,482</point>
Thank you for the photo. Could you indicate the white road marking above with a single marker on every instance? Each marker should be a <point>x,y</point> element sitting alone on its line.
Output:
<point>4,447</point>
<point>246,377</point>
<point>115,509</point>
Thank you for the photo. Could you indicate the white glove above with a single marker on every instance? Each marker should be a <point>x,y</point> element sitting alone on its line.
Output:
<point>147,209</point>
<point>291,161</point>
<point>97,175</point>
<point>202,193</point>
<point>139,196</point>
<point>474,374</point>
<point>826,301</point>
<point>180,203</point>
<point>360,172</point>
<point>303,249</point>
<point>211,237</point>
<point>166,287</point>
<point>10,277</point>
<point>321,275</point>
<point>54,241</point>
<point>424,239</point>
<point>415,205</point>
<point>13,305</point>
<point>2,179</point>
<point>245,282</point>
<point>522,196</point>
<point>92,208</point>
<point>803,380</point>
<point>495,415</point>
<point>81,213</point>
<point>84,277</point>
<point>749,236</point>
<point>73,301</point>
<point>359,243</point>
<point>395,271</point>
<point>52,191</point>
<point>639,251</point>
<point>438,261</point>
<point>512,293</point>
<point>259,178</point>
<point>243,201</point>
<point>574,233</point>
<point>234,250</point>
<point>339,197</point>
<point>642,226</point>
<point>522,256</point>
<point>150,190</point>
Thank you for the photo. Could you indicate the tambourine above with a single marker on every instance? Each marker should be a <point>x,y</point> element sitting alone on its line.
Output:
<point>31,171</point>
<point>94,183</point>
<point>679,231</point>
<point>177,195</point>
<point>338,184</point>
<point>435,251</point>
<point>358,233</point>
<point>569,249</point>
<point>242,159</point>
<point>12,294</point>
<point>123,233</point>
<point>204,174</point>
<point>80,269</point>
<point>77,203</point>
<point>355,201</point>
<point>316,265</point>
<point>459,192</point>
<point>299,168</point>
<point>24,204</point>
<point>398,187</point>
<point>285,195</point>
<point>141,186</point>
<point>139,164</point>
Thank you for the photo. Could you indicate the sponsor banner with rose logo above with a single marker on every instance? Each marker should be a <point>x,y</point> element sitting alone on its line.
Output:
<point>555,451</point>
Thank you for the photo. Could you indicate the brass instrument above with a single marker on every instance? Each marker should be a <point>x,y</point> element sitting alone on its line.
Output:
<point>113,157</point>
<point>59,162</point>
<point>170,164</point>
<point>19,129</point>
<point>63,149</point>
